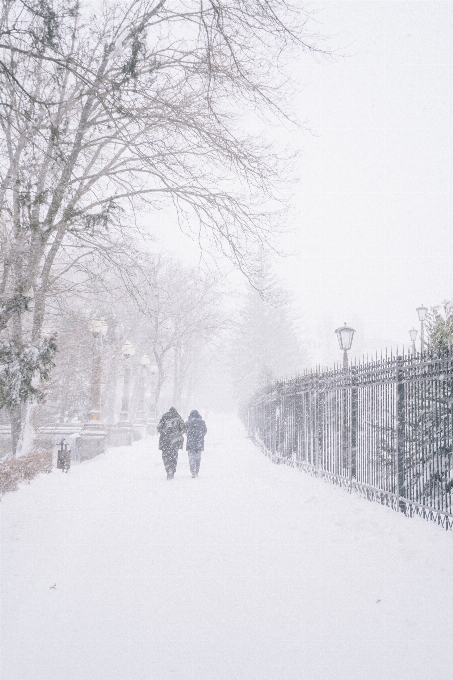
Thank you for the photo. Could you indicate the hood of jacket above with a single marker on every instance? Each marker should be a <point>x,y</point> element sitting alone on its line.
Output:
<point>171,413</point>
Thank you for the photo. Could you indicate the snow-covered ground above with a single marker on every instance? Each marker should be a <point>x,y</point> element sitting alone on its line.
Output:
<point>250,572</point>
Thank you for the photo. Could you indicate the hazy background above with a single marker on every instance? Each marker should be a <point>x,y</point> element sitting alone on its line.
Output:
<point>374,235</point>
<point>373,228</point>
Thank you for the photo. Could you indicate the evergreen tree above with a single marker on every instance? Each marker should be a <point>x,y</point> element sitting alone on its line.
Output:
<point>440,327</point>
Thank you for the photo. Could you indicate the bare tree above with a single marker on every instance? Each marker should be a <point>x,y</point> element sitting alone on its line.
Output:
<point>131,106</point>
<point>180,311</point>
<point>168,310</point>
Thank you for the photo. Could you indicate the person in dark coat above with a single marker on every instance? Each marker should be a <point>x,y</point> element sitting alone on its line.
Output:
<point>196,430</point>
<point>171,428</point>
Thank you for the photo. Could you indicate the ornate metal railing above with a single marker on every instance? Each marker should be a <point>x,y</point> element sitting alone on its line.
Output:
<point>383,428</point>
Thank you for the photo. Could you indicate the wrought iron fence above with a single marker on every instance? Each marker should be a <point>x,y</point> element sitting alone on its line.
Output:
<point>383,428</point>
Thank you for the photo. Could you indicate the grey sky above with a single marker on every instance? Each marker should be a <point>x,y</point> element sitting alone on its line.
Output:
<point>373,232</point>
<point>375,238</point>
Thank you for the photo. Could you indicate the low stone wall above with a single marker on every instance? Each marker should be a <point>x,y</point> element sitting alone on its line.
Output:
<point>119,436</point>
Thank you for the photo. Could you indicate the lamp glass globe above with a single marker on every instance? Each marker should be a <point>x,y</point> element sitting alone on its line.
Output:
<point>95,324</point>
<point>345,335</point>
<point>128,349</point>
<point>422,312</point>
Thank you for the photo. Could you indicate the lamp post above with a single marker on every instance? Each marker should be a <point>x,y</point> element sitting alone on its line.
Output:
<point>345,335</point>
<point>128,351</point>
<point>144,363</point>
<point>422,312</point>
<point>93,433</point>
<point>139,423</point>
<point>413,336</point>
<point>153,406</point>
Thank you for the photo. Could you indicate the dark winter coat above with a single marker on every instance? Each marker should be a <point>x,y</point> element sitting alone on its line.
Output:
<point>171,428</point>
<point>196,430</point>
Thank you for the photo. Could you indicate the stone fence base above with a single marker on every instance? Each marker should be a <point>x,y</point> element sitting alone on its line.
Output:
<point>85,441</point>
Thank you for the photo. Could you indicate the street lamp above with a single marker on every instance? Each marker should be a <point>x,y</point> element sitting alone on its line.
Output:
<point>94,325</point>
<point>153,369</point>
<point>345,335</point>
<point>422,312</point>
<point>97,326</point>
<point>139,423</point>
<point>128,351</point>
<point>413,336</point>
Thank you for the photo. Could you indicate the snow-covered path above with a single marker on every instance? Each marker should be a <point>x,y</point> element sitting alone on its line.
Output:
<point>251,571</point>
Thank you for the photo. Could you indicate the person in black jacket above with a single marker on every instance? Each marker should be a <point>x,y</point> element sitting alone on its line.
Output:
<point>196,430</point>
<point>171,429</point>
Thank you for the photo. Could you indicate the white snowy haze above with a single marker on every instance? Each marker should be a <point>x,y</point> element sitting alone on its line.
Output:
<point>178,547</point>
<point>372,221</point>
<point>374,225</point>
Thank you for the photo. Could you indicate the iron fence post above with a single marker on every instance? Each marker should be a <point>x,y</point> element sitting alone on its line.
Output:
<point>297,423</point>
<point>318,434</point>
<point>353,443</point>
<point>400,434</point>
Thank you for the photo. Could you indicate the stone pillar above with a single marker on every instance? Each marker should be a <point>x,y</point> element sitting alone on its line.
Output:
<point>93,434</point>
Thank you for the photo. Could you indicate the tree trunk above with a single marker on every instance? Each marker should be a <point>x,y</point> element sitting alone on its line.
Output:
<point>28,430</point>
<point>177,386</point>
<point>16,425</point>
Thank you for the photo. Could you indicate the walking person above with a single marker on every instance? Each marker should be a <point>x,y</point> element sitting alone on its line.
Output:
<point>171,428</point>
<point>196,430</point>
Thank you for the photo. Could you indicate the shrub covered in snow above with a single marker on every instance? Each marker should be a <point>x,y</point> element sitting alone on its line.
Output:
<point>15,470</point>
